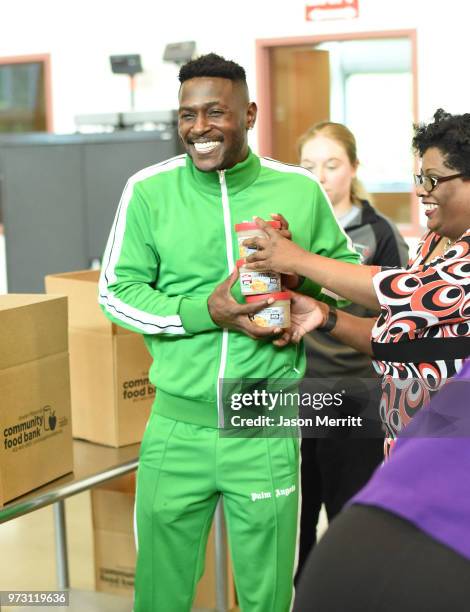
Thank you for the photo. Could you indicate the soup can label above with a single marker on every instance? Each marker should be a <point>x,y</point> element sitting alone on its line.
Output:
<point>273,316</point>
<point>255,283</point>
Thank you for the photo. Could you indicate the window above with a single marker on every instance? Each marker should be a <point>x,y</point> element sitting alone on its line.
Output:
<point>372,93</point>
<point>383,129</point>
<point>23,95</point>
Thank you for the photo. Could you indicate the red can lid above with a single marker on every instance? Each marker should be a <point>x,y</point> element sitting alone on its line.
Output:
<point>280,295</point>
<point>249,225</point>
<point>240,262</point>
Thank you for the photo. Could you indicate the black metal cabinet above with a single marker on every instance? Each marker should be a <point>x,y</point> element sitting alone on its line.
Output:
<point>59,194</point>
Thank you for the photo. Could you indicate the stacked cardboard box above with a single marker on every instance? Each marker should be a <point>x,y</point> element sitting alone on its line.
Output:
<point>115,553</point>
<point>115,556</point>
<point>36,444</point>
<point>111,393</point>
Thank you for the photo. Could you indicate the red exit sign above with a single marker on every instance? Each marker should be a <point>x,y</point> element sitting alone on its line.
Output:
<point>319,10</point>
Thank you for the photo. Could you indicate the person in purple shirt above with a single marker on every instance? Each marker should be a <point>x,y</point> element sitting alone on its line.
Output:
<point>403,542</point>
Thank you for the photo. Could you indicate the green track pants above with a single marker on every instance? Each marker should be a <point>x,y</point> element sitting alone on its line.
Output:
<point>183,470</point>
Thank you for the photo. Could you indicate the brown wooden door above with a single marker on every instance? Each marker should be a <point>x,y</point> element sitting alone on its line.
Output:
<point>301,96</point>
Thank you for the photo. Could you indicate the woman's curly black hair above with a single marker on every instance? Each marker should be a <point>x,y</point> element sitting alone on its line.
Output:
<point>451,135</point>
<point>212,65</point>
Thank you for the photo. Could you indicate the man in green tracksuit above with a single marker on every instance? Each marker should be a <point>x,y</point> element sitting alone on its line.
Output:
<point>171,247</point>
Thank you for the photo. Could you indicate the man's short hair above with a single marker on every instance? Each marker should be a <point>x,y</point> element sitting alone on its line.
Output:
<point>212,65</point>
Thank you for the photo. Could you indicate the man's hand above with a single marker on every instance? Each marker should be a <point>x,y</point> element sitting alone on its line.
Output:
<point>227,313</point>
<point>306,314</point>
<point>275,253</point>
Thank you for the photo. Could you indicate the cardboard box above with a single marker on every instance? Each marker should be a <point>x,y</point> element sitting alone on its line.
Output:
<point>111,393</point>
<point>112,506</point>
<point>115,555</point>
<point>35,428</point>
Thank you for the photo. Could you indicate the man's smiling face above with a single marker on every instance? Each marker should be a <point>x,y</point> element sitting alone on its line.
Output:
<point>213,119</point>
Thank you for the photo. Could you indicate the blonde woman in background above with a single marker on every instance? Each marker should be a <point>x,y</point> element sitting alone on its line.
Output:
<point>333,470</point>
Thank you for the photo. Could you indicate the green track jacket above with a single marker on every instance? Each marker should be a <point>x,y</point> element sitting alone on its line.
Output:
<point>173,240</point>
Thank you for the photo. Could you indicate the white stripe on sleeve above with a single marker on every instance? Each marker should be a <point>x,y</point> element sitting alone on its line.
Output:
<point>147,323</point>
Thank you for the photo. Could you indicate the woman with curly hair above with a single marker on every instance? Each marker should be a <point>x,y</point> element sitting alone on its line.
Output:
<point>422,334</point>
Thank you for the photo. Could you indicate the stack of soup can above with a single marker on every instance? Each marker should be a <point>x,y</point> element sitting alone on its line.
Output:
<point>258,285</point>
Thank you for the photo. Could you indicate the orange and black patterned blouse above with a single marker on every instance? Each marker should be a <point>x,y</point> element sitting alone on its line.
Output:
<point>422,334</point>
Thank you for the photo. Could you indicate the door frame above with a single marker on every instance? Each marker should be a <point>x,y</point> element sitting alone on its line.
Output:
<point>45,59</point>
<point>264,89</point>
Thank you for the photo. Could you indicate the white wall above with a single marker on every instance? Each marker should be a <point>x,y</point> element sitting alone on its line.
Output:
<point>81,34</point>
